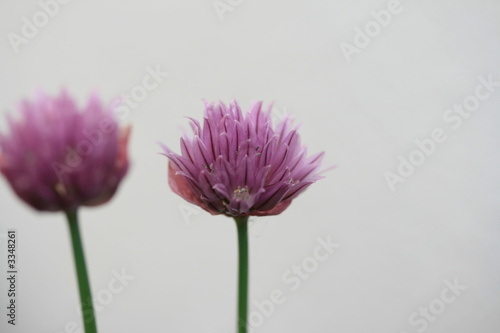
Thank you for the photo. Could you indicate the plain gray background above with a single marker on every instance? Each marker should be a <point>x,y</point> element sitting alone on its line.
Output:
<point>396,248</point>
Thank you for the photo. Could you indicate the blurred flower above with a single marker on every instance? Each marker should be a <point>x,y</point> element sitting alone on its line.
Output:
<point>57,158</point>
<point>240,164</point>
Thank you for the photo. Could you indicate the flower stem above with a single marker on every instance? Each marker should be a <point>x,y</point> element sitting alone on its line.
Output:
<point>88,316</point>
<point>242,226</point>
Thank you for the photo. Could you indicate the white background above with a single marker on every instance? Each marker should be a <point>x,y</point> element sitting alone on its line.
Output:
<point>396,248</point>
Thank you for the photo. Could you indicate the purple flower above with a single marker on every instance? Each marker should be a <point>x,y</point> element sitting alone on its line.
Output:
<point>57,158</point>
<point>240,164</point>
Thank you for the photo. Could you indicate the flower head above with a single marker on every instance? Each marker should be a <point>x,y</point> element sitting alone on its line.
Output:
<point>240,164</point>
<point>58,158</point>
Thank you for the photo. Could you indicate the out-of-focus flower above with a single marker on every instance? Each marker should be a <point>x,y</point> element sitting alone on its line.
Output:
<point>57,158</point>
<point>240,164</point>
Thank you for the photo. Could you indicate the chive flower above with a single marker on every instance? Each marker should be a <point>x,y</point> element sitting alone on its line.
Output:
<point>58,158</point>
<point>241,164</point>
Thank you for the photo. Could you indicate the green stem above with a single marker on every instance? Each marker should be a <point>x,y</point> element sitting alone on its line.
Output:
<point>88,316</point>
<point>242,226</point>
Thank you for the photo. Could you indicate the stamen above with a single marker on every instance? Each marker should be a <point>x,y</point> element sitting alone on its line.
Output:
<point>60,189</point>
<point>242,193</point>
